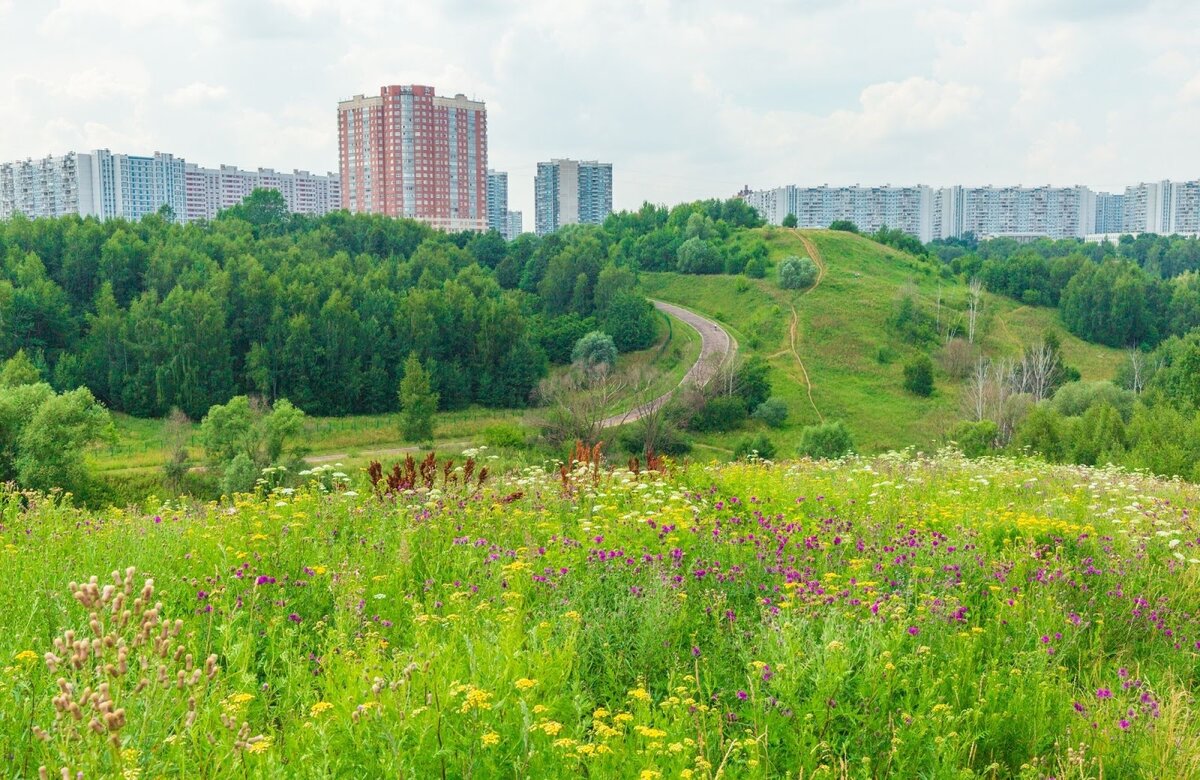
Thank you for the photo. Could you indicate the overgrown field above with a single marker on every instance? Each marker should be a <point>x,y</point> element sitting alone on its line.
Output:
<point>886,617</point>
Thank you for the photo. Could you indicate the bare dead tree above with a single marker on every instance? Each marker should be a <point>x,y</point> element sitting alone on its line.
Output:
<point>976,395</point>
<point>1038,368</point>
<point>1137,369</point>
<point>578,402</point>
<point>974,303</point>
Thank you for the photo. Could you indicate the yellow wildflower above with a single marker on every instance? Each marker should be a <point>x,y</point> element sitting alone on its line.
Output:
<point>490,738</point>
<point>261,744</point>
<point>27,657</point>
<point>525,684</point>
<point>316,710</point>
<point>641,694</point>
<point>550,727</point>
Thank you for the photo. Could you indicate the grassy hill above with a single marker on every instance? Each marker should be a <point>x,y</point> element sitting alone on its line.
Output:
<point>852,358</point>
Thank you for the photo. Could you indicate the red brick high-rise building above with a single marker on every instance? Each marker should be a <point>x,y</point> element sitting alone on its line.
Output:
<point>410,153</point>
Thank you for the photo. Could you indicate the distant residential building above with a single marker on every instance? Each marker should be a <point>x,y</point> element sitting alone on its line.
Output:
<point>1017,212</point>
<point>512,225</point>
<point>49,187</point>
<point>928,213</point>
<point>497,201</point>
<point>570,192</point>
<point>869,208</point>
<point>109,185</point>
<point>1110,213</point>
<point>411,153</point>
<point>211,190</point>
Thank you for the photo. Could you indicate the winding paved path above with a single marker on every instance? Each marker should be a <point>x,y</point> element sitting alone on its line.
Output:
<point>716,346</point>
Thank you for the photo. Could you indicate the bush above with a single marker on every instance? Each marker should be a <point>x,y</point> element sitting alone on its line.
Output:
<point>504,435</point>
<point>797,273</point>
<point>918,376</point>
<point>772,411</point>
<point>752,381</point>
<point>239,475</point>
<point>826,441</point>
<point>976,439</point>
<point>885,355</point>
<point>669,440</point>
<point>844,225</point>
<point>1075,398</point>
<point>595,348</point>
<point>759,446</point>
<point>756,268</point>
<point>720,414</point>
<point>790,221</point>
<point>631,322</point>
<point>696,256</point>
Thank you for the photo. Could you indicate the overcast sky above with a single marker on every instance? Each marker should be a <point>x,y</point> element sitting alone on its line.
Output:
<point>687,98</point>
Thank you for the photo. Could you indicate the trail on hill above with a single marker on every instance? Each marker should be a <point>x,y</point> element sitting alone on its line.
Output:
<point>716,346</point>
<point>815,254</point>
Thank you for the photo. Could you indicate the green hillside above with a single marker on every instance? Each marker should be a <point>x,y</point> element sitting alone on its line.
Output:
<point>842,329</point>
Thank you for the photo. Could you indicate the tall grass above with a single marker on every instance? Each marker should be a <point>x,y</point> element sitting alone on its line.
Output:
<point>885,617</point>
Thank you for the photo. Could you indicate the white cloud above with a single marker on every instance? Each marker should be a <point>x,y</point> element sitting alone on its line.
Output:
<point>197,93</point>
<point>688,98</point>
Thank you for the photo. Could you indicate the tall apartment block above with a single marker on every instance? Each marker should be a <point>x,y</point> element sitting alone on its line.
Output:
<point>513,224</point>
<point>107,185</point>
<point>1110,213</point>
<point>1162,207</point>
<point>497,201</point>
<point>411,153</point>
<point>570,192</point>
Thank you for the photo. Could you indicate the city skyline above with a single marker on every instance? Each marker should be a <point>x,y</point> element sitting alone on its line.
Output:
<point>704,99</point>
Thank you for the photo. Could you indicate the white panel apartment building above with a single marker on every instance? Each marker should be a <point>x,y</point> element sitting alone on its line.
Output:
<point>120,186</point>
<point>929,214</point>
<point>211,190</point>
<point>869,208</point>
<point>1162,207</point>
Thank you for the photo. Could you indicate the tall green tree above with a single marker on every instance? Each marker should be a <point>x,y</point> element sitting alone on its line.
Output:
<point>418,401</point>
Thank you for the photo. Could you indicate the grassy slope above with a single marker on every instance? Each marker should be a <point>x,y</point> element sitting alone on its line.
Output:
<point>842,325</point>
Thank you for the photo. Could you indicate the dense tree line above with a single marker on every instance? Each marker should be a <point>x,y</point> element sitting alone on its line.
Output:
<point>323,311</point>
<point>1137,292</point>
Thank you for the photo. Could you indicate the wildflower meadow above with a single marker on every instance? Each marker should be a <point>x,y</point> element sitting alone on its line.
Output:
<point>897,616</point>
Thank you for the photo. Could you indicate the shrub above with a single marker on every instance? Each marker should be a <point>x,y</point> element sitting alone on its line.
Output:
<point>758,446</point>
<point>1076,398</point>
<point>976,439</point>
<point>790,221</point>
<point>752,382</point>
<point>669,440</point>
<point>918,376</point>
<point>595,348</point>
<point>239,475</point>
<point>772,411</point>
<point>504,435</point>
<point>756,268</point>
<point>827,440</point>
<point>720,414</point>
<point>797,273</point>
<point>697,256</point>
<point>844,225</point>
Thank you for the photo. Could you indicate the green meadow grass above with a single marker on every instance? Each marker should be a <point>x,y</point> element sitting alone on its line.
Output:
<point>888,617</point>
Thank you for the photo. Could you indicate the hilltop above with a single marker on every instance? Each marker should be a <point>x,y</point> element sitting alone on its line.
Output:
<point>852,358</point>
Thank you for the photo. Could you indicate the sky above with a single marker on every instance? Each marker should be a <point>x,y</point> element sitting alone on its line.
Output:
<point>687,98</point>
